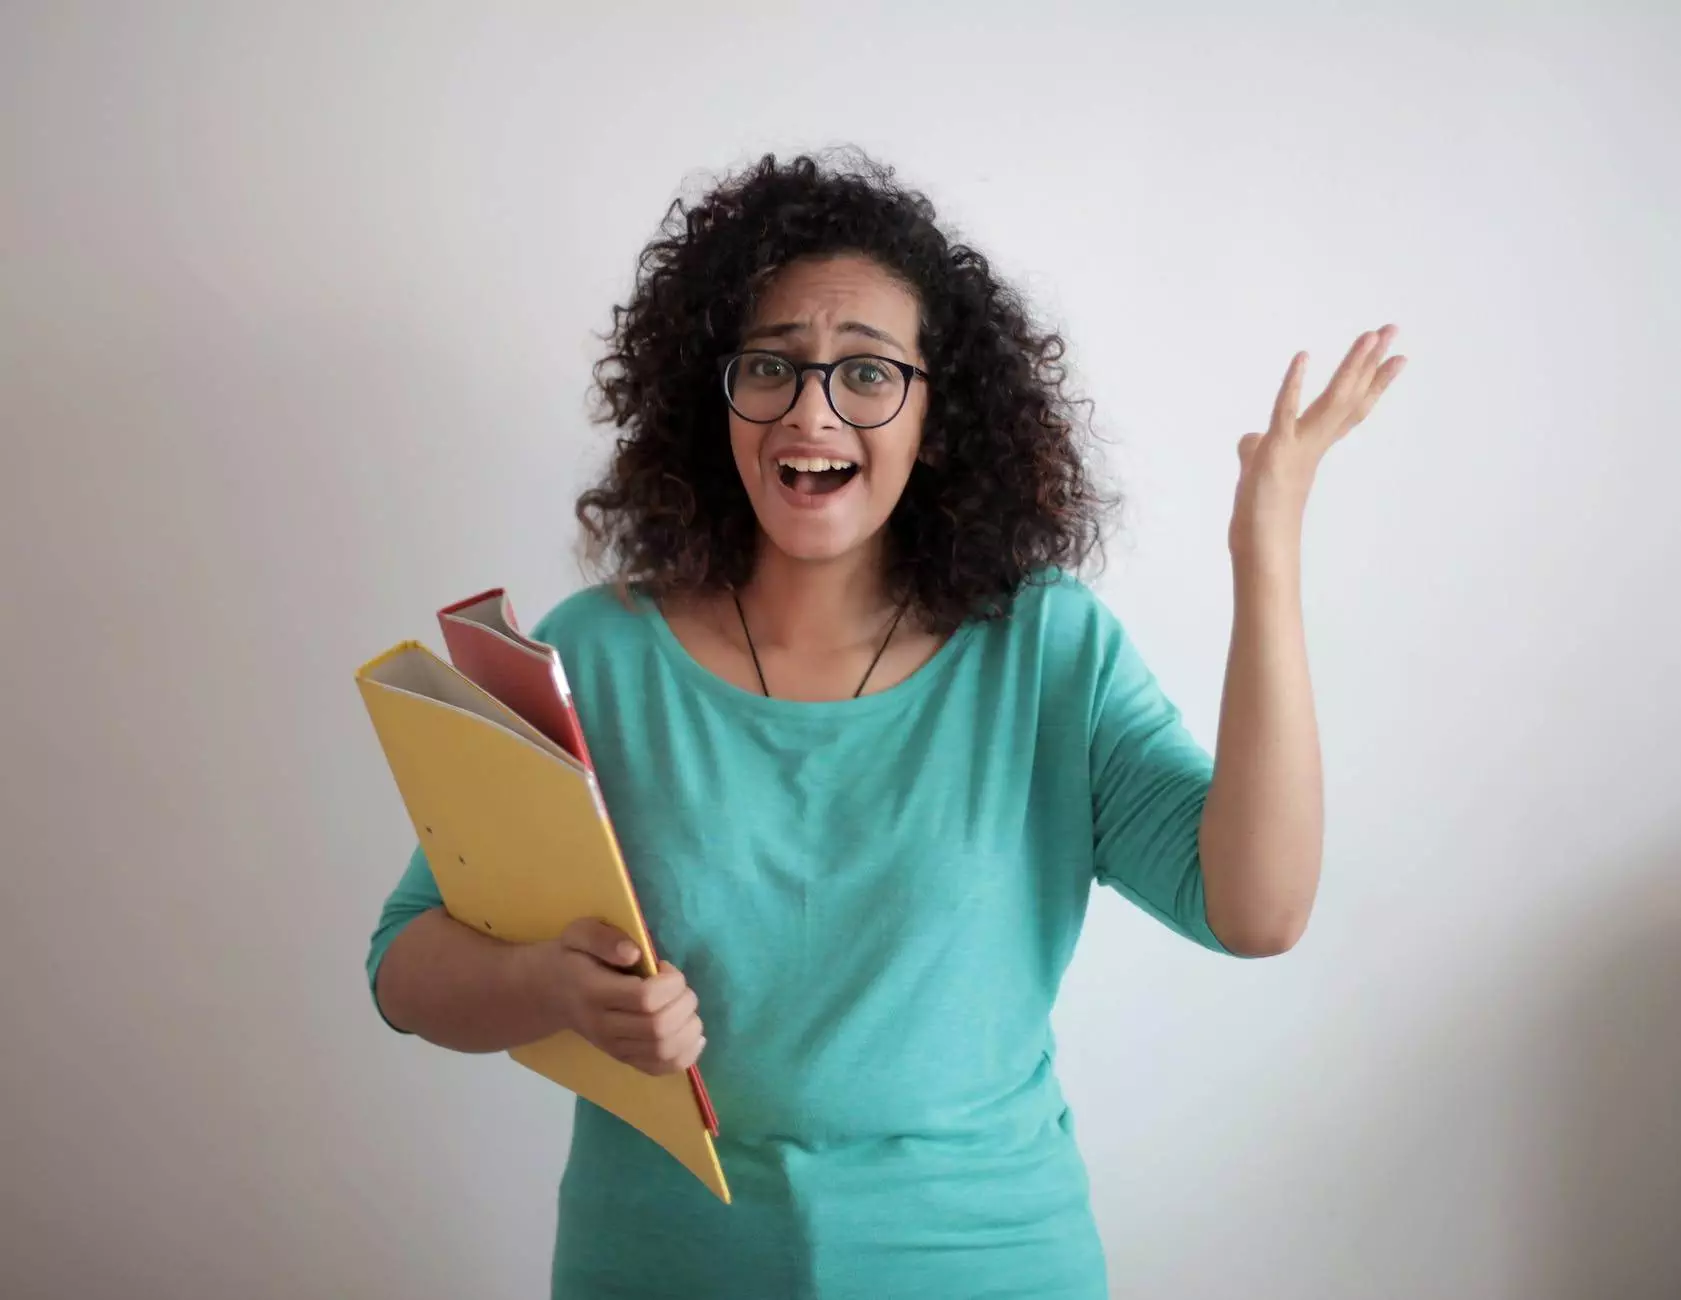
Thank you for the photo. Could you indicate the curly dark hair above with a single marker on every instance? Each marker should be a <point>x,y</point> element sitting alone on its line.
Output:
<point>1004,492</point>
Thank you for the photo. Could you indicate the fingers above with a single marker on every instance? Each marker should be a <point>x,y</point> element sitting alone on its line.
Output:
<point>1374,357</point>
<point>1289,399</point>
<point>690,1055</point>
<point>1344,383</point>
<point>636,995</point>
<point>651,1025</point>
<point>669,1038</point>
<point>1361,389</point>
<point>675,1049</point>
<point>1385,376</point>
<point>1362,364</point>
<point>1355,387</point>
<point>601,941</point>
<point>669,1055</point>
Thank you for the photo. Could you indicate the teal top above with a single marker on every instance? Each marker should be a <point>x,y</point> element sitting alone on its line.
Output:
<point>875,901</point>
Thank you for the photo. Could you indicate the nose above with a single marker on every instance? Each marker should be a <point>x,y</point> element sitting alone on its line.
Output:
<point>811,409</point>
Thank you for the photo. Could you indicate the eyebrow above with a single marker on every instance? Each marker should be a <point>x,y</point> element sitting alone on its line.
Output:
<point>784,329</point>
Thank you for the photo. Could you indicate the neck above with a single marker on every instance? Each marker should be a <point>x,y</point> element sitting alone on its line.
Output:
<point>815,605</point>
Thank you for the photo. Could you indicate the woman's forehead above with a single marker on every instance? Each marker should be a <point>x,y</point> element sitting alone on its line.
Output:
<point>820,294</point>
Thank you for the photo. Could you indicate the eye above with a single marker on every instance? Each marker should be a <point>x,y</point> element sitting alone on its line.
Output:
<point>764,366</point>
<point>865,373</point>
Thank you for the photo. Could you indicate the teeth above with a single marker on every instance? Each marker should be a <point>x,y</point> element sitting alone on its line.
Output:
<point>812,464</point>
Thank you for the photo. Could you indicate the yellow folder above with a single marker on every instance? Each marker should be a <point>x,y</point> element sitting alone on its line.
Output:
<point>516,835</point>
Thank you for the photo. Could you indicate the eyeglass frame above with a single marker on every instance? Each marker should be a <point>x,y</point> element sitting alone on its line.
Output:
<point>827,370</point>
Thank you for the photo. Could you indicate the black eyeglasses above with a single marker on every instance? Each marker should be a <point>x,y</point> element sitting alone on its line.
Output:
<point>762,387</point>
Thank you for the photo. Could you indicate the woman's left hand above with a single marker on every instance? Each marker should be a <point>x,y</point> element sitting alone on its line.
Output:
<point>1278,466</point>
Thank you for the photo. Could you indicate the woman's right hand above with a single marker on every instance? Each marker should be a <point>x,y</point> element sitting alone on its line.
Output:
<point>649,1022</point>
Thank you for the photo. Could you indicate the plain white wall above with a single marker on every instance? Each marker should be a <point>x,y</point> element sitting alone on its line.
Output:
<point>295,326</point>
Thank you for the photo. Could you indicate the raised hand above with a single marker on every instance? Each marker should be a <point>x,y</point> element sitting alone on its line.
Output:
<point>1278,466</point>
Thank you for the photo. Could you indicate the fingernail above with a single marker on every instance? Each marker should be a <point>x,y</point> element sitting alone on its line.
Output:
<point>627,953</point>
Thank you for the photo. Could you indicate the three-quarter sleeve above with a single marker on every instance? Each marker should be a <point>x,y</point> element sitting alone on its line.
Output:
<point>416,892</point>
<point>1150,780</point>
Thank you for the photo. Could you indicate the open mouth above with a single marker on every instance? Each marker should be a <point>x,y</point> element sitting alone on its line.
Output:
<point>814,475</point>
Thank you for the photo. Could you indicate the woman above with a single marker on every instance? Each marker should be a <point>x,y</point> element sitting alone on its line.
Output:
<point>868,745</point>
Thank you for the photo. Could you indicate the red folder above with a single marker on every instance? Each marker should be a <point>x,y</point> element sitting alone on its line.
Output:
<point>487,647</point>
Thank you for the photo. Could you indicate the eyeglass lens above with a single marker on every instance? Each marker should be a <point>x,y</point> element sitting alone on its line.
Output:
<point>863,391</point>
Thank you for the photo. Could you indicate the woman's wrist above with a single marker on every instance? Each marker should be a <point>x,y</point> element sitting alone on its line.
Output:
<point>536,979</point>
<point>1269,564</point>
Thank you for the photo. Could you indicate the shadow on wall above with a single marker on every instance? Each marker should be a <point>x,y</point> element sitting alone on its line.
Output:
<point>1607,1148</point>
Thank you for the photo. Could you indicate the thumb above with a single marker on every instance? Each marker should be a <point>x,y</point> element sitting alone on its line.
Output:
<point>1246,448</point>
<point>601,941</point>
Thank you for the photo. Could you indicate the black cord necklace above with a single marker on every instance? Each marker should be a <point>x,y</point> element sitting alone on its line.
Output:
<point>754,651</point>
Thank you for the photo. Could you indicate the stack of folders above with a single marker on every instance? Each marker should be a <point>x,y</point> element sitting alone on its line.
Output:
<point>492,766</point>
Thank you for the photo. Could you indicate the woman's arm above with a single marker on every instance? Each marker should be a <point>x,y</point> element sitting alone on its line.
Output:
<point>1262,829</point>
<point>1263,823</point>
<point>464,990</point>
<point>467,991</point>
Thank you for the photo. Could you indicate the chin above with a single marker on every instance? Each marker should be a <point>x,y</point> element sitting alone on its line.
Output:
<point>815,545</point>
